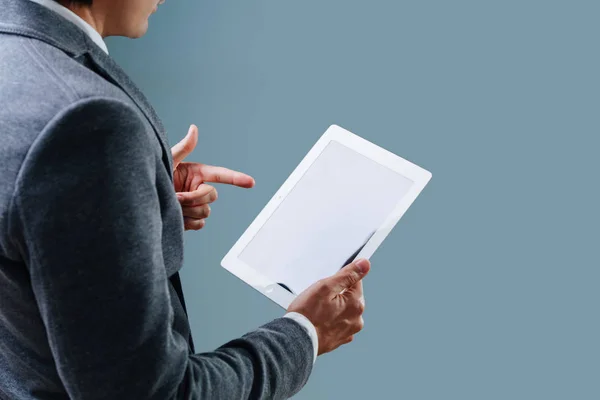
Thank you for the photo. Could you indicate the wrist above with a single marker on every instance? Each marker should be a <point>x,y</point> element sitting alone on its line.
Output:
<point>309,327</point>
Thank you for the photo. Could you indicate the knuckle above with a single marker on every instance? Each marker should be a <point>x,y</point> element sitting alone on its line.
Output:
<point>357,326</point>
<point>214,195</point>
<point>353,277</point>
<point>361,324</point>
<point>348,281</point>
<point>325,286</point>
<point>360,307</point>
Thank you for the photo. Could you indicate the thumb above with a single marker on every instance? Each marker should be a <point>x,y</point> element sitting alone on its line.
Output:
<point>183,149</point>
<point>350,275</point>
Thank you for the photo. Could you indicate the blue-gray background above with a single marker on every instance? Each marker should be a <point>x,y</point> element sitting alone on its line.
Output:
<point>488,288</point>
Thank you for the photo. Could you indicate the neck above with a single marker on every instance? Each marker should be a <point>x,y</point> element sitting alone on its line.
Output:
<point>89,14</point>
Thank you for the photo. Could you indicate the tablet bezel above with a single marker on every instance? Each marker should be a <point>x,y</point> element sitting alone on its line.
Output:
<point>271,289</point>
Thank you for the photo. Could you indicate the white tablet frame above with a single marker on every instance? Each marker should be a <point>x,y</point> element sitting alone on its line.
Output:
<point>271,289</point>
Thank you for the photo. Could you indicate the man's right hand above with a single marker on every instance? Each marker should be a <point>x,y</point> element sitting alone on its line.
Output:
<point>335,305</point>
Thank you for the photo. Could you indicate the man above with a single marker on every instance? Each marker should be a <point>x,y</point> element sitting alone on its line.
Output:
<point>93,205</point>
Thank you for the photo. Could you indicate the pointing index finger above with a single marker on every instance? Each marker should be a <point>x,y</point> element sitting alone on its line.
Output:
<point>227,176</point>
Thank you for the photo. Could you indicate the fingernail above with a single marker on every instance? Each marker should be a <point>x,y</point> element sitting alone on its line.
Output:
<point>362,265</point>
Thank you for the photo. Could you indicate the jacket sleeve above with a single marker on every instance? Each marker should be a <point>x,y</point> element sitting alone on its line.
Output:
<point>87,206</point>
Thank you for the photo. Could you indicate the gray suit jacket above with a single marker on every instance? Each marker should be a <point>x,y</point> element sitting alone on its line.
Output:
<point>91,239</point>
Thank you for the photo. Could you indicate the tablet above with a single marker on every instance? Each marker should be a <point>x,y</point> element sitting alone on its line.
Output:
<point>339,204</point>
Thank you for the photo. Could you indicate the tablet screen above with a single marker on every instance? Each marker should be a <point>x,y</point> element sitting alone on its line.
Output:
<point>326,219</point>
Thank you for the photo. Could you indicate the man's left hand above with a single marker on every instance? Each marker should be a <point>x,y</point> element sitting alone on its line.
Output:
<point>189,179</point>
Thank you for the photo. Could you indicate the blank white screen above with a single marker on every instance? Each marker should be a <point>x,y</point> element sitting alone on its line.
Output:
<point>341,200</point>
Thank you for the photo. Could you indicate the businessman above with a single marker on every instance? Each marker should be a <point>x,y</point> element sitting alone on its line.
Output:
<point>93,205</point>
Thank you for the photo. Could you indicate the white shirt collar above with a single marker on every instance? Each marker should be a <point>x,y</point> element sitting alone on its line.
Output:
<point>76,19</point>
